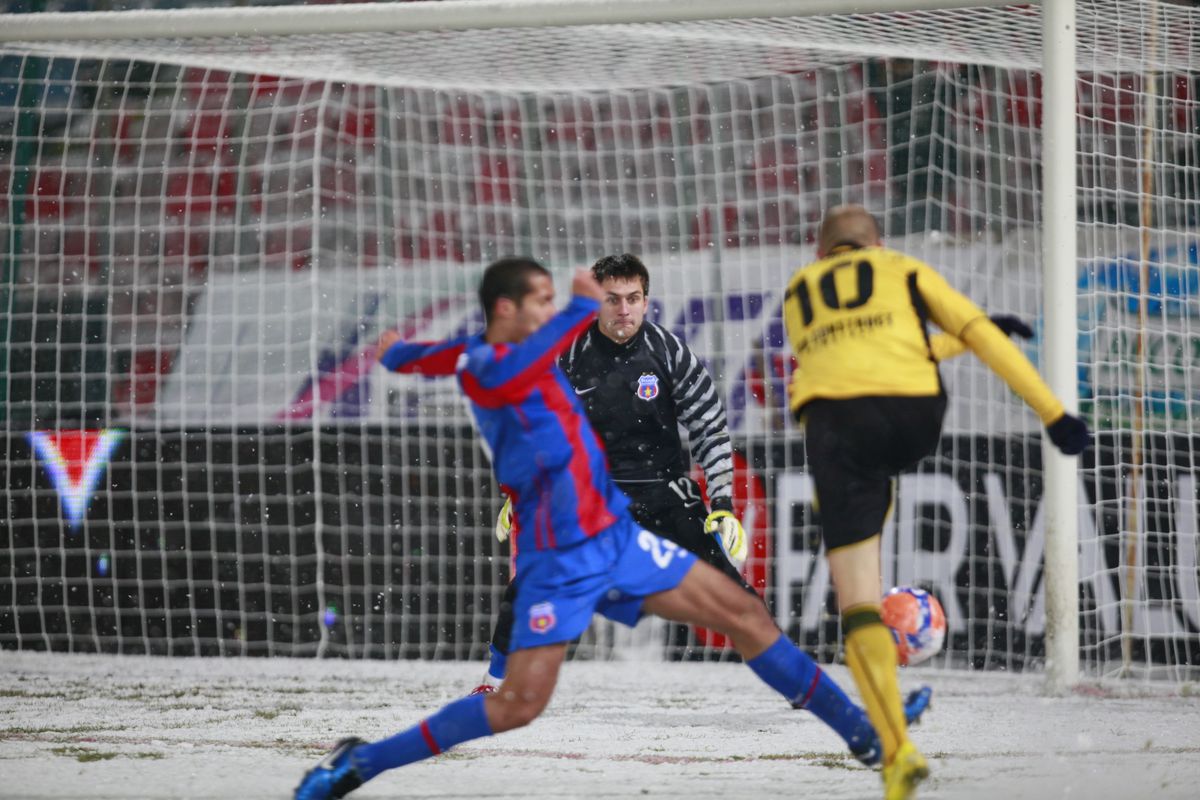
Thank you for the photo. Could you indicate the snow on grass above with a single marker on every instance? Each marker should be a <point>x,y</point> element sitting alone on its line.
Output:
<point>75,726</point>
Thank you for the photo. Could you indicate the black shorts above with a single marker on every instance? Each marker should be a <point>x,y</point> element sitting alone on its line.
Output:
<point>855,447</point>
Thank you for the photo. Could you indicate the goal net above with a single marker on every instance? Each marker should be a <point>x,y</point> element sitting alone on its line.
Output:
<point>207,236</point>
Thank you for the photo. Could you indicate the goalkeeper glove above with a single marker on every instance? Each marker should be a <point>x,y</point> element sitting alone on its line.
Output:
<point>1012,326</point>
<point>1069,434</point>
<point>729,532</point>
<point>504,522</point>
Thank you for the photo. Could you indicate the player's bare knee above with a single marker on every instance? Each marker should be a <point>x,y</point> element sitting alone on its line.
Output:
<point>511,708</point>
<point>525,713</point>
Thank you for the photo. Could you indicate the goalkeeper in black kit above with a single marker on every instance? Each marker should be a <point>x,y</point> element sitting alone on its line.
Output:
<point>638,383</point>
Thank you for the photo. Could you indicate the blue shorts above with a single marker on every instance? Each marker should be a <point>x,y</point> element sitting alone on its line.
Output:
<point>611,573</point>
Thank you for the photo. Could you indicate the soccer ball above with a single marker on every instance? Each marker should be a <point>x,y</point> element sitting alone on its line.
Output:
<point>917,622</point>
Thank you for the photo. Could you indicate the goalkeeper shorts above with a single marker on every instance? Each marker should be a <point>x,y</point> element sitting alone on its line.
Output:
<point>610,573</point>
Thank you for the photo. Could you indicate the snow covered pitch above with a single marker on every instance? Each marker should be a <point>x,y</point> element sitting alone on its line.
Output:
<point>103,727</point>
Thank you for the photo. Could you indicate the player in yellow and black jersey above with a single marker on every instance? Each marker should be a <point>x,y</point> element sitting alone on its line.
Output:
<point>867,390</point>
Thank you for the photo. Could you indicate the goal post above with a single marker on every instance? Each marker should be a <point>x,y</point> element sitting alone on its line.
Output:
<point>224,208</point>
<point>1059,157</point>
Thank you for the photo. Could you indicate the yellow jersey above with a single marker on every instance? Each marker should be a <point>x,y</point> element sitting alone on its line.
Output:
<point>856,321</point>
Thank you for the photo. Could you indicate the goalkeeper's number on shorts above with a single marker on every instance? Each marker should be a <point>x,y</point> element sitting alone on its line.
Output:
<point>729,532</point>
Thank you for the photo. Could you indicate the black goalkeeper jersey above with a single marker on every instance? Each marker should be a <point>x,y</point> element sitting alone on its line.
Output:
<point>637,394</point>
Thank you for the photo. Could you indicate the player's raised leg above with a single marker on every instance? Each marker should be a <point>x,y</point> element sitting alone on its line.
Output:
<point>708,598</point>
<point>532,675</point>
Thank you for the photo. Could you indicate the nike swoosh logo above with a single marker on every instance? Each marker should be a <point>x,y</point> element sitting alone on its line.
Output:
<point>585,391</point>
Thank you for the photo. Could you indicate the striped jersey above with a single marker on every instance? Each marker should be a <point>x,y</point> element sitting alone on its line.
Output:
<point>637,393</point>
<point>544,452</point>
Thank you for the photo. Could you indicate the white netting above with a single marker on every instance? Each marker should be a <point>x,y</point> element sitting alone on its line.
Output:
<point>211,233</point>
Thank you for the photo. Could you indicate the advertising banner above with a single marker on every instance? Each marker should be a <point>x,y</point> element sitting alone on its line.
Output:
<point>361,542</point>
<point>249,540</point>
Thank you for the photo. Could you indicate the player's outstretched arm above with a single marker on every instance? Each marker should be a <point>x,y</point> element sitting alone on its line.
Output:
<point>945,346</point>
<point>1068,433</point>
<point>386,340</point>
<point>956,314</point>
<point>425,358</point>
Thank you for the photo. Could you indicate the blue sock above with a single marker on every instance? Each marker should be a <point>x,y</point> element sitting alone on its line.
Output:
<point>498,665</point>
<point>456,723</point>
<point>790,671</point>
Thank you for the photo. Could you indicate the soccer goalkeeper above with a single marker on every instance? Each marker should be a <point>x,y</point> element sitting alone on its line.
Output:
<point>867,391</point>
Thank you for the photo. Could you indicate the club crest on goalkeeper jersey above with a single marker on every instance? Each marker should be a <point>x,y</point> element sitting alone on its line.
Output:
<point>544,452</point>
<point>856,321</point>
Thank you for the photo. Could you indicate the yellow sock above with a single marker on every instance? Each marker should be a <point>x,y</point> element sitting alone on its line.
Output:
<point>871,657</point>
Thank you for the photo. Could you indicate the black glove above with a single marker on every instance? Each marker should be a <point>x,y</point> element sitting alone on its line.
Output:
<point>1069,434</point>
<point>1012,325</point>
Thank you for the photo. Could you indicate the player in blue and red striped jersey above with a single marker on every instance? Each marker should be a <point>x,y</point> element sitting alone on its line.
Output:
<point>579,551</point>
